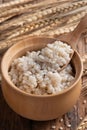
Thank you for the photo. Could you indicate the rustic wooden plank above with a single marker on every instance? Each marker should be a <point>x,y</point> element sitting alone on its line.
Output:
<point>9,120</point>
<point>1,1</point>
<point>6,1</point>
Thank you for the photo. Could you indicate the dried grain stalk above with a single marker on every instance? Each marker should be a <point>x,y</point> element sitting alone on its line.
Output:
<point>21,30</point>
<point>83,125</point>
<point>24,8</point>
<point>69,25</point>
<point>28,28</point>
<point>9,42</point>
<point>47,29</point>
<point>62,9</point>
<point>26,17</point>
<point>13,3</point>
<point>58,31</point>
<point>6,18</point>
<point>41,23</point>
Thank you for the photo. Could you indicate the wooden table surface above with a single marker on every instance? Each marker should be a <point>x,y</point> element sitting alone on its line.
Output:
<point>9,120</point>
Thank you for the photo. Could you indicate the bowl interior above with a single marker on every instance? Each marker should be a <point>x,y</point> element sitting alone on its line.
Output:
<point>30,44</point>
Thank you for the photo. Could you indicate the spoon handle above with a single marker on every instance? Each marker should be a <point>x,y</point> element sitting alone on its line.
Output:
<point>75,35</point>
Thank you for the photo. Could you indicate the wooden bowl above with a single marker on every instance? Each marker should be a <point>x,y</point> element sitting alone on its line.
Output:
<point>38,107</point>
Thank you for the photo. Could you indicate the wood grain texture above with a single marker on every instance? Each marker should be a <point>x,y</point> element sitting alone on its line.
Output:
<point>1,1</point>
<point>9,120</point>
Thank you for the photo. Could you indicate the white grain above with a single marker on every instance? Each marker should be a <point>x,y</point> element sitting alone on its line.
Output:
<point>38,72</point>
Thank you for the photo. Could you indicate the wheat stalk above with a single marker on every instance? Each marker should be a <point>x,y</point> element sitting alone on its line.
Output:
<point>51,21</point>
<point>63,30</point>
<point>83,125</point>
<point>56,9</point>
<point>13,3</point>
<point>25,7</point>
<point>47,29</point>
<point>26,17</point>
<point>35,17</point>
<point>44,21</point>
<point>69,26</point>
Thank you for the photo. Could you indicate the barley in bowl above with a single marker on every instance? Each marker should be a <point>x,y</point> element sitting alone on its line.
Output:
<point>38,71</point>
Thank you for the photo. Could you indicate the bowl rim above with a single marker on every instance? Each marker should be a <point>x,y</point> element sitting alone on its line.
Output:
<point>13,86</point>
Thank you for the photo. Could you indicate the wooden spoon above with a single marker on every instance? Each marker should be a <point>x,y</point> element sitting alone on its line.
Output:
<point>73,37</point>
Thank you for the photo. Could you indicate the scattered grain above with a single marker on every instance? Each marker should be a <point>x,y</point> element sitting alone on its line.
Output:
<point>69,125</point>
<point>61,128</point>
<point>61,120</point>
<point>53,127</point>
<point>84,102</point>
